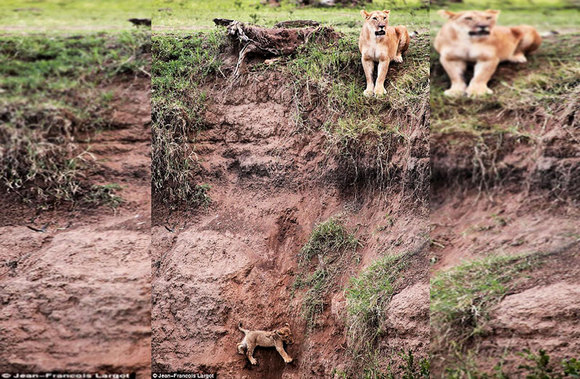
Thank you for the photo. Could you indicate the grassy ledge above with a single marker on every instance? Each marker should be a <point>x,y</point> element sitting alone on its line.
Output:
<point>53,94</point>
<point>336,73</point>
<point>328,252</point>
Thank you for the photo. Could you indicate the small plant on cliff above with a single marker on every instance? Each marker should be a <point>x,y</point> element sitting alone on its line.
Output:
<point>327,240</point>
<point>104,194</point>
<point>327,253</point>
<point>367,298</point>
<point>410,367</point>
<point>540,367</point>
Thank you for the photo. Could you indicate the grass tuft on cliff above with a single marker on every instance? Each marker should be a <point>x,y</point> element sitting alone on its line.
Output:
<point>368,296</point>
<point>322,260</point>
<point>181,65</point>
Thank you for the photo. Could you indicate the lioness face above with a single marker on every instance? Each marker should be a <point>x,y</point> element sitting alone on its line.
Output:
<point>476,24</point>
<point>377,21</point>
<point>285,334</point>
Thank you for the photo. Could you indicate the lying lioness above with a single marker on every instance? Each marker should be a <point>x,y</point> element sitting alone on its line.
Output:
<point>379,42</point>
<point>255,338</point>
<point>472,36</point>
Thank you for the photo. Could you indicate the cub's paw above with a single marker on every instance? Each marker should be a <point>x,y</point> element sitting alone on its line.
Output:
<point>478,91</point>
<point>253,361</point>
<point>380,91</point>
<point>398,59</point>
<point>289,360</point>
<point>519,58</point>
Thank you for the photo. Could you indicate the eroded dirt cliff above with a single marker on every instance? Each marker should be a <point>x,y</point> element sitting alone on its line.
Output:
<point>237,260</point>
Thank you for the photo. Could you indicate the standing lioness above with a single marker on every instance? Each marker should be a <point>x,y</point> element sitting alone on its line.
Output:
<point>472,36</point>
<point>379,42</point>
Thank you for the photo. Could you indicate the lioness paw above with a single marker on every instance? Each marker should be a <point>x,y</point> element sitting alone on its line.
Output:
<point>520,58</point>
<point>398,59</point>
<point>289,360</point>
<point>479,91</point>
<point>453,92</point>
<point>380,91</point>
<point>253,361</point>
<point>368,92</point>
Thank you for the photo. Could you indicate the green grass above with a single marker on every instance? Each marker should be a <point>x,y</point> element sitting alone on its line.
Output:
<point>326,239</point>
<point>181,65</point>
<point>328,252</point>
<point>462,298</point>
<point>367,296</point>
<point>104,195</point>
<point>70,16</point>
<point>411,368</point>
<point>183,17</point>
<point>52,93</point>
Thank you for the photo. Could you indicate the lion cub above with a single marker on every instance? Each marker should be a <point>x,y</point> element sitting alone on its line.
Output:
<point>379,42</point>
<point>254,338</point>
<point>472,36</point>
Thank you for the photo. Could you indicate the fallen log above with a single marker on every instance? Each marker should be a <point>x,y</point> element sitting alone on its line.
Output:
<point>296,24</point>
<point>277,41</point>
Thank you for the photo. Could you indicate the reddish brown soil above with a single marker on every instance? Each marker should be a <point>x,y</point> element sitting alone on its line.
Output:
<point>530,207</point>
<point>237,260</point>
<point>473,225</point>
<point>77,297</point>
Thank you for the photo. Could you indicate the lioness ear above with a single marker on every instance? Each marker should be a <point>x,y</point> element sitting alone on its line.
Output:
<point>365,14</point>
<point>447,14</point>
<point>387,11</point>
<point>492,11</point>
